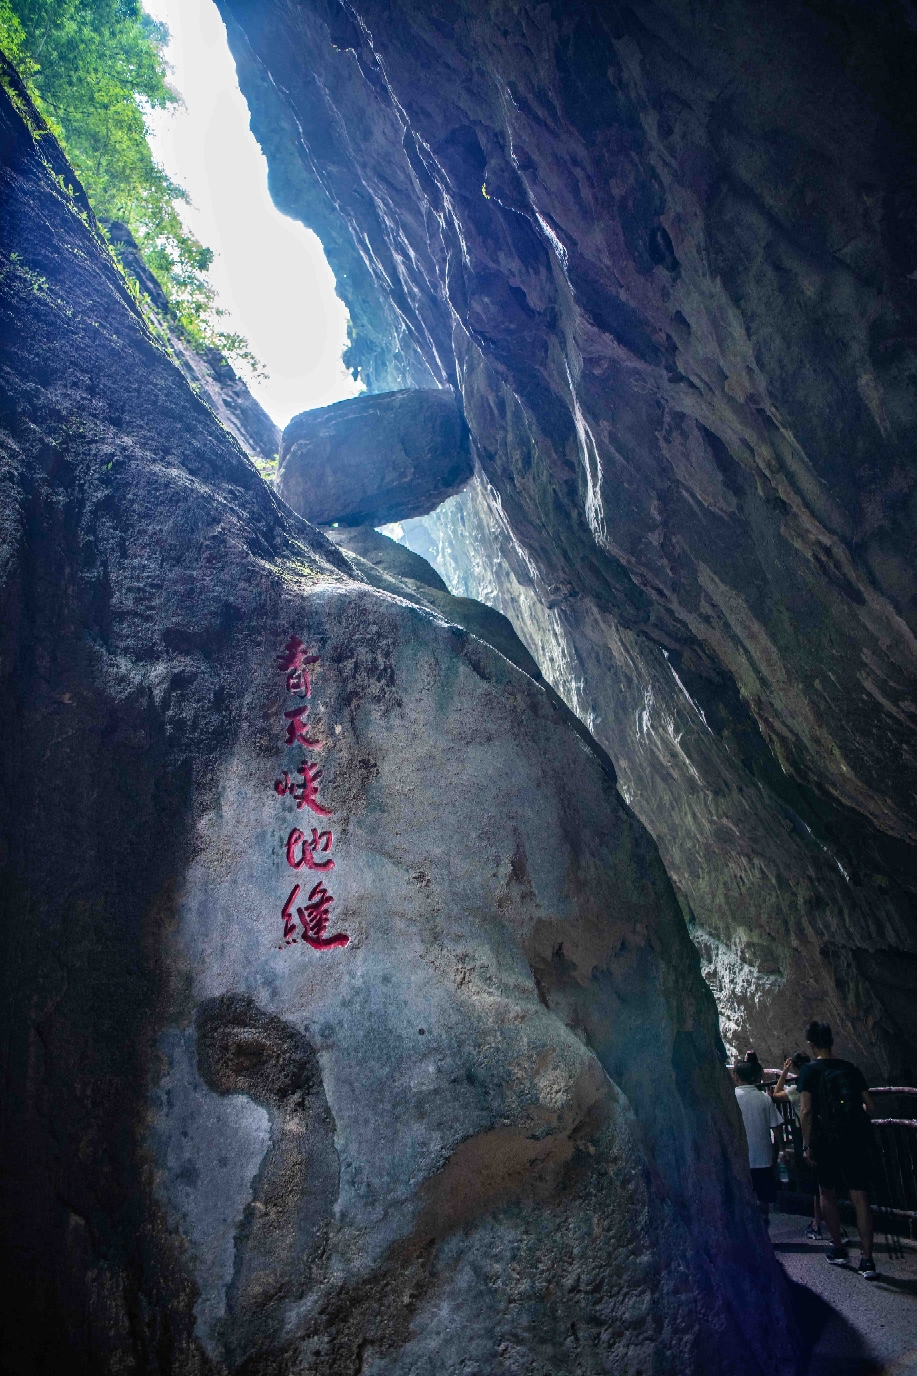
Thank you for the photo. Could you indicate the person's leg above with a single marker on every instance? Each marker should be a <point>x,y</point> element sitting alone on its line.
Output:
<point>816,1217</point>
<point>860,1199</point>
<point>831,1213</point>
<point>763,1184</point>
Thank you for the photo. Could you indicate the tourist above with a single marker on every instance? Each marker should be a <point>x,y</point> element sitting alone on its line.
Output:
<point>789,1093</point>
<point>760,1116</point>
<point>834,1104</point>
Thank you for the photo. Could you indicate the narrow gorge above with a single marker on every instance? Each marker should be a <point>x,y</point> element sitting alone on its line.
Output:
<point>392,850</point>
<point>666,253</point>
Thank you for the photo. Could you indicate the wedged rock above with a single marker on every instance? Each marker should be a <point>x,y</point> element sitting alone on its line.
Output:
<point>387,555</point>
<point>470,1111</point>
<point>667,256</point>
<point>374,459</point>
<point>394,568</point>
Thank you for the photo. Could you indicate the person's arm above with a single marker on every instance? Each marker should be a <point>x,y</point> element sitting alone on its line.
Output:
<point>777,1124</point>
<point>805,1121</point>
<point>781,1083</point>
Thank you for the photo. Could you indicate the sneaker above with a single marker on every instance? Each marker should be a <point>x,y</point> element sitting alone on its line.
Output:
<point>866,1268</point>
<point>836,1256</point>
<point>813,1233</point>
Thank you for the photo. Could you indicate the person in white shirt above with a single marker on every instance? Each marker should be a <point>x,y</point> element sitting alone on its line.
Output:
<point>760,1116</point>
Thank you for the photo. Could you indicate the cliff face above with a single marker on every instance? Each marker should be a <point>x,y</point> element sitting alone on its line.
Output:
<point>666,253</point>
<point>211,376</point>
<point>349,1020</point>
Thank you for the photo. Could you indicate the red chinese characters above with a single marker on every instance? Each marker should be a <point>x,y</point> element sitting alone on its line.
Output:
<point>314,918</point>
<point>306,793</point>
<point>308,850</point>
<point>294,662</point>
<point>305,851</point>
<point>296,730</point>
<point>286,912</point>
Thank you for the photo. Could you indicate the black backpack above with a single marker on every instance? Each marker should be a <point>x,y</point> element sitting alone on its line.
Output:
<point>840,1104</point>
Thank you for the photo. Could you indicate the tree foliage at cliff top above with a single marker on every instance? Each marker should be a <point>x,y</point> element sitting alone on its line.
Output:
<point>95,69</point>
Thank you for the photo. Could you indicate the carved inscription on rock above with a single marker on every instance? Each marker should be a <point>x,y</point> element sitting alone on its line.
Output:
<point>305,850</point>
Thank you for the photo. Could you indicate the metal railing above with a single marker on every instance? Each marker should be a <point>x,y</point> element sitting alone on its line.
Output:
<point>895,1169</point>
<point>894,1173</point>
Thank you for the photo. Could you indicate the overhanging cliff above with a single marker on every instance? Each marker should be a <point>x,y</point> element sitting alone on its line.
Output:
<point>666,252</point>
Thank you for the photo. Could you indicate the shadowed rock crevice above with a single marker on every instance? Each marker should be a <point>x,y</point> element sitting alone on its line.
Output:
<point>242,1050</point>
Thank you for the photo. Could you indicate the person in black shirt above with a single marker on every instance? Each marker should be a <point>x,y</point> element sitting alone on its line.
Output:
<point>834,1108</point>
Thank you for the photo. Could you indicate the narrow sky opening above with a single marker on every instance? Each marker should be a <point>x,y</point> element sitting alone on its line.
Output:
<point>270,273</point>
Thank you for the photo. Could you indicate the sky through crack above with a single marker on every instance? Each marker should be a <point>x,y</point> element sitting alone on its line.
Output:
<point>270,273</point>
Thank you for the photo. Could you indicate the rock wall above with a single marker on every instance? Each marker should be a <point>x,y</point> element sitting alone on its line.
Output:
<point>211,376</point>
<point>666,252</point>
<point>458,1100</point>
<point>768,900</point>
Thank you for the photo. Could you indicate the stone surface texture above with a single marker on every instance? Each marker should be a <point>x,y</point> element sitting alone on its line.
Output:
<point>374,459</point>
<point>493,1132</point>
<point>209,373</point>
<point>392,567</point>
<point>666,252</point>
<point>227,395</point>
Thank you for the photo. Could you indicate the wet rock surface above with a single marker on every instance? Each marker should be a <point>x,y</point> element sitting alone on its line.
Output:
<point>769,895</point>
<point>665,251</point>
<point>375,459</point>
<point>492,1128</point>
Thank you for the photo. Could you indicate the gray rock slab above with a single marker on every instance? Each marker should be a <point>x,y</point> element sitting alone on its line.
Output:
<point>394,568</point>
<point>386,554</point>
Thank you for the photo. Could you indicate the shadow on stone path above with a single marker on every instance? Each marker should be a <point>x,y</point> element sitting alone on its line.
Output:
<point>852,1327</point>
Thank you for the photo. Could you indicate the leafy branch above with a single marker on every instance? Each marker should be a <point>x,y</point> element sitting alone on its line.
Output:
<point>96,70</point>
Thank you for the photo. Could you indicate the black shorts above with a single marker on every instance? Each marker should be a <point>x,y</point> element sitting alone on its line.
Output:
<point>764,1184</point>
<point>845,1165</point>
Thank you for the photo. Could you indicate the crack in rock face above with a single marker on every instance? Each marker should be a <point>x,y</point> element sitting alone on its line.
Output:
<point>666,255</point>
<point>350,1019</point>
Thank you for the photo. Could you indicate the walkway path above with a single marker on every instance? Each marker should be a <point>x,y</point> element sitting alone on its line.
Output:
<point>856,1327</point>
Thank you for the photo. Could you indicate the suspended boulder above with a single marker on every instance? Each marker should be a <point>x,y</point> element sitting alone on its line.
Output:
<point>375,459</point>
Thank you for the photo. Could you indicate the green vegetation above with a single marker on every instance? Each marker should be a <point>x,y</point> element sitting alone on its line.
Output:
<point>95,69</point>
